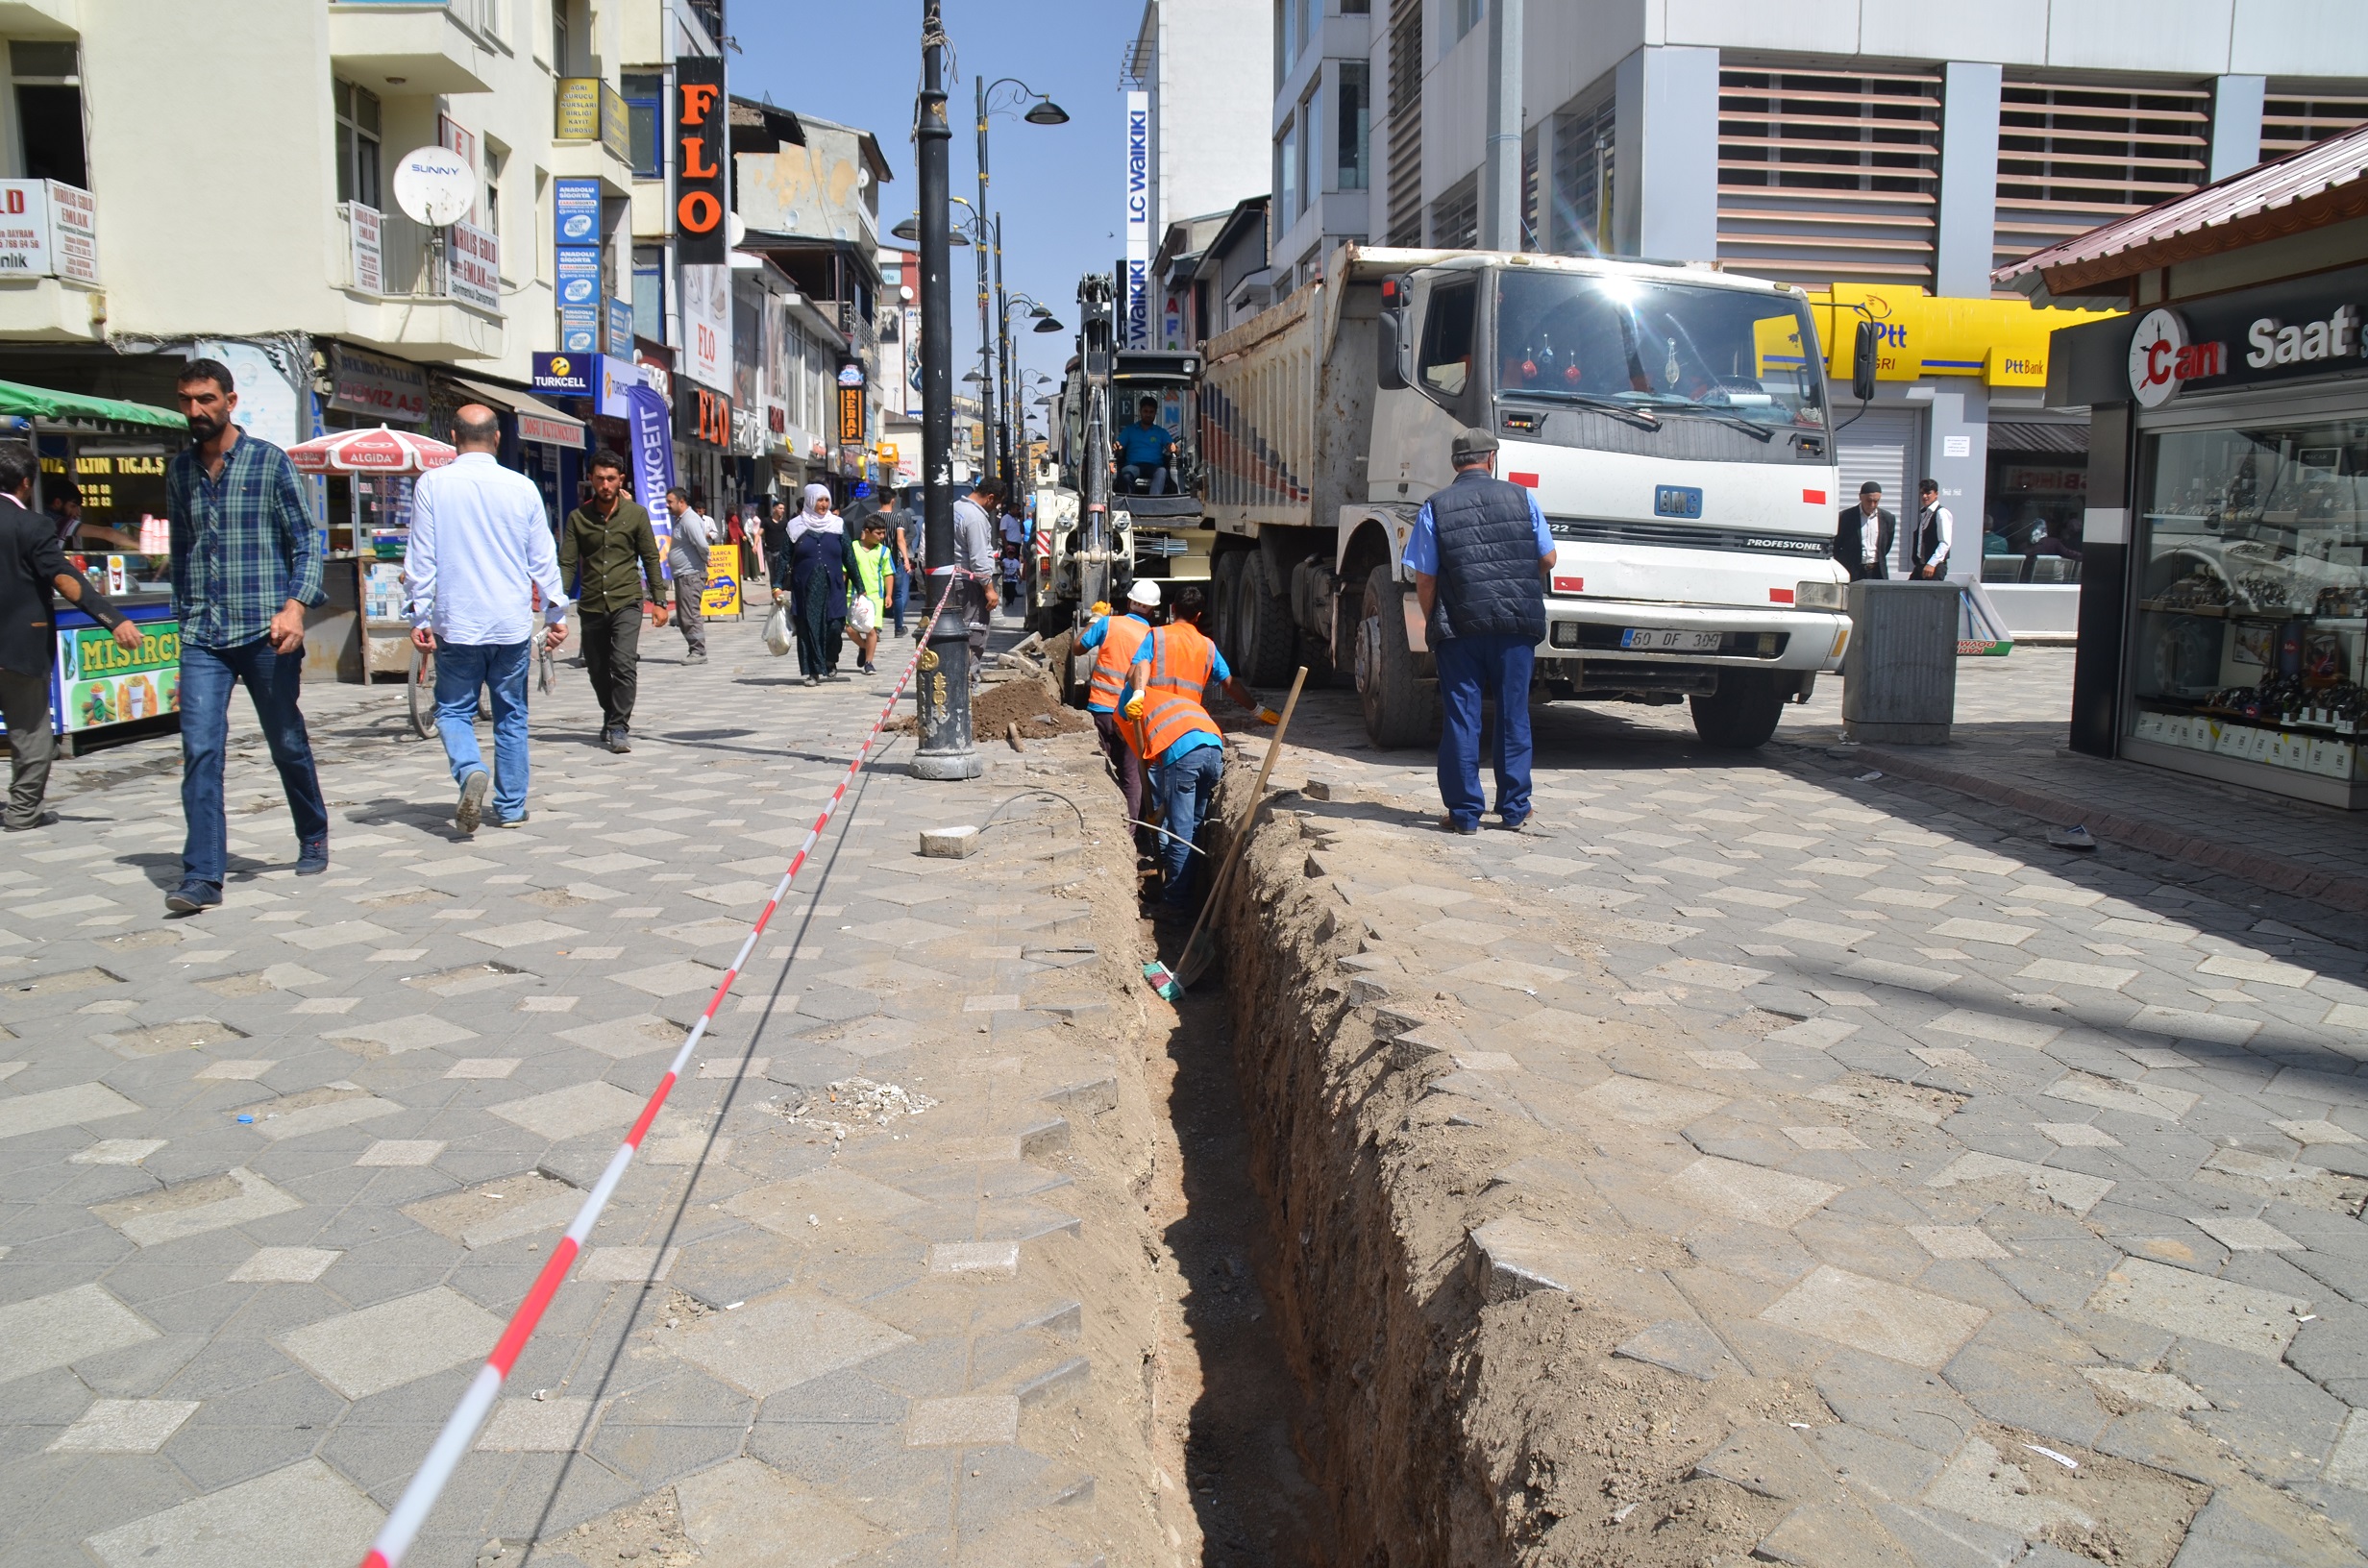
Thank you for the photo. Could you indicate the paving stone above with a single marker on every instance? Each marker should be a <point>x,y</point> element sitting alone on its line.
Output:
<point>499,1210</point>
<point>1649,1103</point>
<point>1770,1460</point>
<point>748,1513</point>
<point>399,1151</point>
<point>210,1203</point>
<point>966,1421</point>
<point>621,1037</point>
<point>1982,1484</point>
<point>553,1425</point>
<point>1875,1316</point>
<point>569,1112</point>
<point>116,1151</point>
<point>1957,1242</point>
<point>1681,1345</point>
<point>977,1258</point>
<point>2000,1028</point>
<point>672,979</point>
<point>2159,1390</point>
<point>2075,1191</point>
<point>2241,1234</point>
<point>627,1265</point>
<point>296,1517</point>
<point>377,1348</point>
<point>418,1032</point>
<point>124,1426</point>
<point>284,1265</point>
<point>2200,1306</point>
<point>771,1345</point>
<point>1869,1464</point>
<point>73,1106</point>
<point>1750,1192</point>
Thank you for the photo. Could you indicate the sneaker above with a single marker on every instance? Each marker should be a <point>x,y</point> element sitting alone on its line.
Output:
<point>813,680</point>
<point>871,670</point>
<point>696,655</point>
<point>471,810</point>
<point>518,821</point>
<point>619,741</point>
<point>312,857</point>
<point>46,818</point>
<point>607,733</point>
<point>191,896</point>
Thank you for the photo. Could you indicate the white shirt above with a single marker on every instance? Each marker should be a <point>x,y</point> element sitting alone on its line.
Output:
<point>1870,535</point>
<point>479,542</point>
<point>1948,529</point>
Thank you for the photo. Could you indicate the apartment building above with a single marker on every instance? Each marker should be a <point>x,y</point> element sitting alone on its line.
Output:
<point>1884,155</point>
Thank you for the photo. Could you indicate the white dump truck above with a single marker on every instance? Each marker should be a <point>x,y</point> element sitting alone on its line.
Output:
<point>1672,421</point>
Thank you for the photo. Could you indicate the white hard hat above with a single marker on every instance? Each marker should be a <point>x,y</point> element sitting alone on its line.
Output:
<point>1145,591</point>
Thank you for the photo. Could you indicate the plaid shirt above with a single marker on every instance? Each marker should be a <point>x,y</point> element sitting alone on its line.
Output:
<point>244,545</point>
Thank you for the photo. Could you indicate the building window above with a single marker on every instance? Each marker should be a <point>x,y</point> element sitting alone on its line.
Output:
<point>49,113</point>
<point>1356,8</point>
<point>1284,52</point>
<point>495,158</point>
<point>1455,217</point>
<point>1828,175</point>
<point>1579,222</point>
<point>357,143</point>
<point>1468,14</point>
<point>1311,146</point>
<point>2073,156</point>
<point>645,108</point>
<point>1287,177</point>
<point>649,292</point>
<point>563,52</point>
<point>1352,123</point>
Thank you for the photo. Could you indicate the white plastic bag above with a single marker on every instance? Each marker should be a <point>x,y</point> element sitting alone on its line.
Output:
<point>863,615</point>
<point>777,637</point>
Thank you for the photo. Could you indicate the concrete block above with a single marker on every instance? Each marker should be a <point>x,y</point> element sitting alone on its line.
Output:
<point>950,842</point>
<point>295,1517</point>
<point>1899,674</point>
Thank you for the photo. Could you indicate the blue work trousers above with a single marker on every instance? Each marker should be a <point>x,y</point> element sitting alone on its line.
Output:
<point>1470,668</point>
<point>272,680</point>
<point>1187,793</point>
<point>501,668</point>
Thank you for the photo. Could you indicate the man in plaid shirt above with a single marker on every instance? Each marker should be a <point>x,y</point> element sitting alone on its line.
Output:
<point>245,564</point>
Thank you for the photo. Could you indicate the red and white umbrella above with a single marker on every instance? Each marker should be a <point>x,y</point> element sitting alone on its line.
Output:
<point>370,452</point>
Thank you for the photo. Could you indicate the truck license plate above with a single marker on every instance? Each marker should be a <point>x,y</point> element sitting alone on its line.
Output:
<point>1663,640</point>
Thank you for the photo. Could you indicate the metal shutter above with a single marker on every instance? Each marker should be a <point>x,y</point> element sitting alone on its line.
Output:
<point>2071,158</point>
<point>1405,142</point>
<point>1827,175</point>
<point>2291,121</point>
<point>1880,445</point>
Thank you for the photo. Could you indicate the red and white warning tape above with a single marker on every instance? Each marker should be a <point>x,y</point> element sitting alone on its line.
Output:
<point>468,1418</point>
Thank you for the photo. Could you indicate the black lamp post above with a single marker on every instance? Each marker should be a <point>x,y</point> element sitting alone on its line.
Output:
<point>1042,111</point>
<point>944,697</point>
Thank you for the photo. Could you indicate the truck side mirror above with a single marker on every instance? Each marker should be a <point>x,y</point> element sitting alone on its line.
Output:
<point>1389,338</point>
<point>1863,363</point>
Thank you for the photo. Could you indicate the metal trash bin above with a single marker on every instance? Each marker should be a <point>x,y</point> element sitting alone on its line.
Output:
<point>1899,677</point>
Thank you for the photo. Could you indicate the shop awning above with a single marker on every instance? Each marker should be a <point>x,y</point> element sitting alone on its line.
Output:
<point>2038,435</point>
<point>23,402</point>
<point>537,420</point>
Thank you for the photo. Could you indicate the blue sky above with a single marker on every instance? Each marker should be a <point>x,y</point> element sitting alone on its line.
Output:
<point>858,61</point>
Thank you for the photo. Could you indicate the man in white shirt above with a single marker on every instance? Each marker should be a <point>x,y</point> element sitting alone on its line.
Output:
<point>1929,545</point>
<point>973,551</point>
<point>479,542</point>
<point>686,557</point>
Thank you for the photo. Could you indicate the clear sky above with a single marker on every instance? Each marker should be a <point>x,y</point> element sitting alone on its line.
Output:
<point>1058,187</point>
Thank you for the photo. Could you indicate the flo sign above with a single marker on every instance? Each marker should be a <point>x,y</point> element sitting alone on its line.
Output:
<point>2309,329</point>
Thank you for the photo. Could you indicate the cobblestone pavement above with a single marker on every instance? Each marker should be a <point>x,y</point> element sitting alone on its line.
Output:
<point>276,1175</point>
<point>1999,1149</point>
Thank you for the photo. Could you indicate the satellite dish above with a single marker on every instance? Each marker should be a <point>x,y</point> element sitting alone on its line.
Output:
<point>434,185</point>
<point>737,232</point>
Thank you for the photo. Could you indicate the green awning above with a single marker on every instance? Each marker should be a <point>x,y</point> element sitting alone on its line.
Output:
<point>40,402</point>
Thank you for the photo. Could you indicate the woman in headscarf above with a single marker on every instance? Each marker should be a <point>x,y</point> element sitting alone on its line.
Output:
<point>818,583</point>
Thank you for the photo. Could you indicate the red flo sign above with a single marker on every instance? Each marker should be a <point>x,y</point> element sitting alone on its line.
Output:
<point>702,187</point>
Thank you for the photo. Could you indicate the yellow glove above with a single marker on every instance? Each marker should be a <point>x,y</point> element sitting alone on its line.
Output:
<point>1101,607</point>
<point>1268,716</point>
<point>1134,706</point>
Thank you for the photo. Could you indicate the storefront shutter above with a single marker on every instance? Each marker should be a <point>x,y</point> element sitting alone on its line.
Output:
<point>1880,445</point>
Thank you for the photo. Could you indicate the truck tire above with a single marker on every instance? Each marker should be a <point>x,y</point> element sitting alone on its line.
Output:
<point>1265,631</point>
<point>1741,714</point>
<point>1400,709</point>
<point>1225,622</point>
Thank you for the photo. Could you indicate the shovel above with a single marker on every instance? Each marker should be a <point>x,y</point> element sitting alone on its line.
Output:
<point>1201,948</point>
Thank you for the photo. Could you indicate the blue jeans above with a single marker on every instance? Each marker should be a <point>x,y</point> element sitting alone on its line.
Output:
<point>1187,791</point>
<point>460,669</point>
<point>272,680</point>
<point>1500,668</point>
<point>896,597</point>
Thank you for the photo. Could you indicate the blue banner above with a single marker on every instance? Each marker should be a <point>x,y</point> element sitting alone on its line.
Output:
<point>577,212</point>
<point>580,329</point>
<point>620,323</point>
<point>580,275</point>
<point>653,457</point>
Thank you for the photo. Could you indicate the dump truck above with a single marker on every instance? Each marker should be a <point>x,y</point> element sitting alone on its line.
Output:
<point>1104,523</point>
<point>1671,419</point>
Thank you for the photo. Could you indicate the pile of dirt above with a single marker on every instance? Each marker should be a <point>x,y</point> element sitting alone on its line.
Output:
<point>1034,704</point>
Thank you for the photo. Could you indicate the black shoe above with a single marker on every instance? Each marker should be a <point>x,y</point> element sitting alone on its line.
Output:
<point>696,655</point>
<point>813,680</point>
<point>312,859</point>
<point>471,810</point>
<point>191,896</point>
<point>46,818</point>
<point>619,741</point>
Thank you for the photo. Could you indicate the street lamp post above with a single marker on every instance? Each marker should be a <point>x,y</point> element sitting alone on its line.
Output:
<point>1042,111</point>
<point>944,696</point>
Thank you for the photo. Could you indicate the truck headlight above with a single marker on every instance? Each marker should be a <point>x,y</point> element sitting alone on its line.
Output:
<point>1817,596</point>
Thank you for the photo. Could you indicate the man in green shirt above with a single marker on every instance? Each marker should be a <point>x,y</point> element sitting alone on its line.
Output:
<point>609,539</point>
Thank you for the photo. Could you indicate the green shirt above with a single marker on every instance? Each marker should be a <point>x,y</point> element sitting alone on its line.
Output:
<point>871,569</point>
<point>617,553</point>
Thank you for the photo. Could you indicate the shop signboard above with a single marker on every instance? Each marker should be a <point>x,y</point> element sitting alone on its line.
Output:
<point>48,230</point>
<point>703,196</point>
<point>619,328</point>
<point>269,403</point>
<point>706,320</point>
<point>851,416</point>
<point>723,594</point>
<point>1135,272</point>
<point>472,267</point>
<point>580,329</point>
<point>576,209</point>
<point>73,232</point>
<point>100,682</point>
<point>580,275</point>
<point>578,110</point>
<point>365,228</point>
<point>569,374</point>
<point>2307,328</point>
<point>394,391</point>
<point>618,378</point>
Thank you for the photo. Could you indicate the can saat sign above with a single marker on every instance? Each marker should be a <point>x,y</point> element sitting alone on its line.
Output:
<point>2163,359</point>
<point>2165,355</point>
<point>699,189</point>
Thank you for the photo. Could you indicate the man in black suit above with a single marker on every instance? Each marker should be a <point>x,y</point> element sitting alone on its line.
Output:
<point>1862,543</point>
<point>32,572</point>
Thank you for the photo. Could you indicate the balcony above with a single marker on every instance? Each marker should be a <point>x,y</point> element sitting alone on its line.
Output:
<point>399,293</point>
<point>49,263</point>
<point>591,134</point>
<point>410,46</point>
<point>41,19</point>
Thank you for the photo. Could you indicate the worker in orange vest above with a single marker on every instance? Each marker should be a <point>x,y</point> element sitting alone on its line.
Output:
<point>1167,686</point>
<point>1117,638</point>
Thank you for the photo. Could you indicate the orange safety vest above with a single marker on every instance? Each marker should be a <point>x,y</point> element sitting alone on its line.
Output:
<point>1122,635</point>
<point>1183,660</point>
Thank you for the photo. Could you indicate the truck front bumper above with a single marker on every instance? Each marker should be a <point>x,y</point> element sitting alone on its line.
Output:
<point>1594,631</point>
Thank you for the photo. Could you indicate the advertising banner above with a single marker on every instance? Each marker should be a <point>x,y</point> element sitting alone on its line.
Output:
<point>24,229</point>
<point>1135,275</point>
<point>580,329</point>
<point>474,267</point>
<point>578,110</point>
<point>652,455</point>
<point>392,390</point>
<point>703,195</point>
<point>101,683</point>
<point>619,328</point>
<point>365,226</point>
<point>580,275</point>
<point>723,595</point>
<point>564,372</point>
<point>706,321</point>
<point>576,206</point>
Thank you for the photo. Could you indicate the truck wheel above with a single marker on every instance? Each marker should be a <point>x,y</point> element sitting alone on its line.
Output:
<point>1741,714</point>
<point>1399,709</point>
<point>1224,622</point>
<point>1265,631</point>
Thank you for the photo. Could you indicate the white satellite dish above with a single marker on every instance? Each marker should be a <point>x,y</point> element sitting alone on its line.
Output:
<point>738,231</point>
<point>434,185</point>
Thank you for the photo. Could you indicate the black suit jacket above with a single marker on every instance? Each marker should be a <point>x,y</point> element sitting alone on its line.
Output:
<point>1850,543</point>
<point>30,562</point>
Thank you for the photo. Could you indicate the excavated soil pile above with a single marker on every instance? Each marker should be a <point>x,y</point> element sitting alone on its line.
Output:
<point>1031,701</point>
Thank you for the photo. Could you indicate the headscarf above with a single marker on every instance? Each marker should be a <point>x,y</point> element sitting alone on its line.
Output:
<point>811,521</point>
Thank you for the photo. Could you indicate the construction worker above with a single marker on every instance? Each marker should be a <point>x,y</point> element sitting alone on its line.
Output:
<point>1167,685</point>
<point>1119,638</point>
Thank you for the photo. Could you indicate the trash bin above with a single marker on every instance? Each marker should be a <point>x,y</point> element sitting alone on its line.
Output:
<point>1899,677</point>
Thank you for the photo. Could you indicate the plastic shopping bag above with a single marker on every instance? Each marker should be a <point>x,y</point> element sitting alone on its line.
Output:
<point>777,637</point>
<point>863,615</point>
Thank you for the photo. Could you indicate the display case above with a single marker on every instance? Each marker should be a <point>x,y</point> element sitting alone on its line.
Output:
<point>2251,602</point>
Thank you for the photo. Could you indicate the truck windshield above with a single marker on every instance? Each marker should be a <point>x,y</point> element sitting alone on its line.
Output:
<point>1725,354</point>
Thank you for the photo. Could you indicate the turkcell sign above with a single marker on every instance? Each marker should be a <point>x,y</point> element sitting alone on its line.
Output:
<point>577,205</point>
<point>580,275</point>
<point>1135,275</point>
<point>569,374</point>
<point>580,329</point>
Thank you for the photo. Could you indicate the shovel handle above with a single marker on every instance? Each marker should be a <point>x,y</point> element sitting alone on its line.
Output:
<point>1249,818</point>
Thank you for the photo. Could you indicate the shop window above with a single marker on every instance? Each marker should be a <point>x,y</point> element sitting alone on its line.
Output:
<point>644,108</point>
<point>49,111</point>
<point>2252,597</point>
<point>357,143</point>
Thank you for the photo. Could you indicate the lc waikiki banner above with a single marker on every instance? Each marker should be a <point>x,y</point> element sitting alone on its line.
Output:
<point>1135,274</point>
